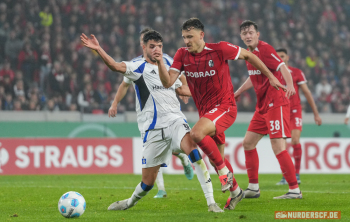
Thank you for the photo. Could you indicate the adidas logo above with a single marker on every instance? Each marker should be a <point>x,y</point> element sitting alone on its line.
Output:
<point>208,181</point>
<point>153,72</point>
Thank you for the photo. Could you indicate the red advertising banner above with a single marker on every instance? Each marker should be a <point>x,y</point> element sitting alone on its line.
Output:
<point>65,156</point>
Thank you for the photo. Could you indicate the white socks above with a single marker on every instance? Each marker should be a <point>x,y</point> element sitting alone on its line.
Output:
<point>160,180</point>
<point>253,186</point>
<point>184,159</point>
<point>137,195</point>
<point>223,171</point>
<point>296,190</point>
<point>205,180</point>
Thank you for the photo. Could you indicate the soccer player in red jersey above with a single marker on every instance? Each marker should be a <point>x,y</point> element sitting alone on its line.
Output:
<point>296,125</point>
<point>271,115</point>
<point>208,77</point>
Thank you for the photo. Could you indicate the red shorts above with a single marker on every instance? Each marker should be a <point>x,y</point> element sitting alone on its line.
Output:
<point>275,122</point>
<point>296,121</point>
<point>223,117</point>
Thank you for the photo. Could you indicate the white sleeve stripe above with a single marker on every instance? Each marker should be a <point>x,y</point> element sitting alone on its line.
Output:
<point>275,57</point>
<point>302,82</point>
<point>279,66</point>
<point>175,69</point>
<point>239,52</point>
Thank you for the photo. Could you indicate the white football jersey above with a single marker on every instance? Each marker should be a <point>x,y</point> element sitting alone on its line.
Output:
<point>156,106</point>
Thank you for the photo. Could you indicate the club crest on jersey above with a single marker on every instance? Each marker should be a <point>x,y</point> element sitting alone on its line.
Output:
<point>143,160</point>
<point>211,63</point>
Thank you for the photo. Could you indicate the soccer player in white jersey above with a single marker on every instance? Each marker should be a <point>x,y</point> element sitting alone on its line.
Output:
<point>164,125</point>
<point>123,88</point>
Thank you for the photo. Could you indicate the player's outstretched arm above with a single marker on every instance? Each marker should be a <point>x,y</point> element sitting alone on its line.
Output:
<point>311,101</point>
<point>244,87</point>
<point>123,88</point>
<point>289,81</point>
<point>257,63</point>
<point>167,78</point>
<point>92,43</point>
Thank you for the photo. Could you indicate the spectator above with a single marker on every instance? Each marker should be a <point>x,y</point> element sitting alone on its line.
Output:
<point>323,88</point>
<point>6,70</point>
<point>27,61</point>
<point>13,46</point>
<point>87,98</point>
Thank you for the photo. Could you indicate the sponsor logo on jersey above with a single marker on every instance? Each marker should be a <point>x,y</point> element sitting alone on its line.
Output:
<point>160,87</point>
<point>200,74</point>
<point>211,63</point>
<point>254,72</point>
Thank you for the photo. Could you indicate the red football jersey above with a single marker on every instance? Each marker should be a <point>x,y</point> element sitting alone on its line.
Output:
<point>208,74</point>
<point>267,96</point>
<point>298,79</point>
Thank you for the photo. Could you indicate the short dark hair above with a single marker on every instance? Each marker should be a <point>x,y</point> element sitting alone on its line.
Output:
<point>147,29</point>
<point>246,24</point>
<point>192,23</point>
<point>282,50</point>
<point>152,35</point>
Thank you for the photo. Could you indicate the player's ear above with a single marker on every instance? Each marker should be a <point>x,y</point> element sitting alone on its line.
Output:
<point>143,46</point>
<point>258,33</point>
<point>202,35</point>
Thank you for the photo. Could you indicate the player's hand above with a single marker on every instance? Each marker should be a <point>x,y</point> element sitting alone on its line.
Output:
<point>184,99</point>
<point>157,54</point>
<point>346,121</point>
<point>290,91</point>
<point>91,43</point>
<point>112,112</point>
<point>276,84</point>
<point>318,120</point>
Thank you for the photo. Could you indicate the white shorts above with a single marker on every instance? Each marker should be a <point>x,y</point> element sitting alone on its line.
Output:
<point>160,143</point>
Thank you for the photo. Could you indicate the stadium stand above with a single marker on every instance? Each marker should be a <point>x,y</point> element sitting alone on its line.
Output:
<point>43,65</point>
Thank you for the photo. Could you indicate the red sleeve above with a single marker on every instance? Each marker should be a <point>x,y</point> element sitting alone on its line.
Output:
<point>301,78</point>
<point>177,63</point>
<point>271,59</point>
<point>230,51</point>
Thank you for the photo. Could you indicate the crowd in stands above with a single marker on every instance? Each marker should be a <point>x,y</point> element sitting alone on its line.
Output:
<point>43,65</point>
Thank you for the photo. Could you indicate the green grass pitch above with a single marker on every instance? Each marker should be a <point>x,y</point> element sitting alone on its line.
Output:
<point>35,198</point>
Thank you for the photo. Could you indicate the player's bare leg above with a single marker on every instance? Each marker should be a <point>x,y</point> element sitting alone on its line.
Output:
<point>201,133</point>
<point>149,176</point>
<point>190,148</point>
<point>236,193</point>
<point>250,141</point>
<point>287,167</point>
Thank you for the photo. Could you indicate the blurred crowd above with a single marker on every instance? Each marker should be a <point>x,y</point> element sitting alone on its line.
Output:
<point>43,65</point>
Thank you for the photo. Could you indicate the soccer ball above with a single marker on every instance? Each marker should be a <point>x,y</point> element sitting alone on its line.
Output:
<point>71,204</point>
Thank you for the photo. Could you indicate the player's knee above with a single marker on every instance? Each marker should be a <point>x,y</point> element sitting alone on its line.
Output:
<point>196,136</point>
<point>146,187</point>
<point>295,141</point>
<point>194,156</point>
<point>247,145</point>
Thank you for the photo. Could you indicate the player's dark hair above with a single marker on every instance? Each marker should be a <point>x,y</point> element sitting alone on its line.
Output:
<point>152,35</point>
<point>246,24</point>
<point>192,23</point>
<point>147,29</point>
<point>282,50</point>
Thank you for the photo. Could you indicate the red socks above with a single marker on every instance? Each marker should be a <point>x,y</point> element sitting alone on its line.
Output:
<point>211,150</point>
<point>252,165</point>
<point>287,168</point>
<point>297,157</point>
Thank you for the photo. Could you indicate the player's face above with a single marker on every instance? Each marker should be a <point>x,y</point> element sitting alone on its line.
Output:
<point>283,56</point>
<point>153,48</point>
<point>193,39</point>
<point>250,36</point>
